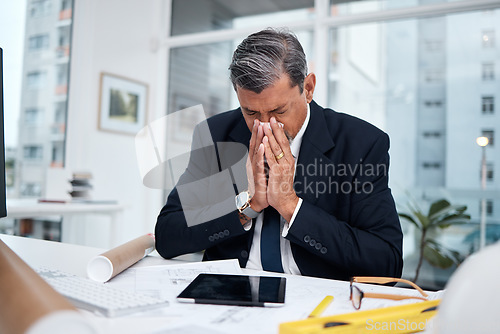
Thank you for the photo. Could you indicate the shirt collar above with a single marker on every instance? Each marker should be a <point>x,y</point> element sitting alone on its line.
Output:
<point>297,141</point>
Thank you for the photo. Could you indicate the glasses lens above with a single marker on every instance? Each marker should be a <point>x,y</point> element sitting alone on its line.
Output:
<point>356,296</point>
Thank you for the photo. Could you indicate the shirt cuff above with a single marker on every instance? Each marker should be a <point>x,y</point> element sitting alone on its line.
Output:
<point>248,226</point>
<point>286,227</point>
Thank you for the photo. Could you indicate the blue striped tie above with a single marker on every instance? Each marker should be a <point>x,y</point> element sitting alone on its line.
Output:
<point>270,254</point>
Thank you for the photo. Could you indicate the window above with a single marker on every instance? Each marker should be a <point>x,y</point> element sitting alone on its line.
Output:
<point>57,157</point>
<point>488,38</point>
<point>488,104</point>
<point>31,189</point>
<point>433,103</point>
<point>65,4</point>
<point>38,42</point>
<point>488,71</point>
<point>489,207</point>
<point>433,46</point>
<point>32,116</point>
<point>434,76</point>
<point>64,36</point>
<point>40,8</point>
<point>432,134</point>
<point>62,74</point>
<point>215,14</point>
<point>490,176</point>
<point>60,115</point>
<point>33,152</point>
<point>490,134</point>
<point>36,79</point>
<point>431,165</point>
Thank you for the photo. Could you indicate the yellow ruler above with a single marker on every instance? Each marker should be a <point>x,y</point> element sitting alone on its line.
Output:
<point>408,318</point>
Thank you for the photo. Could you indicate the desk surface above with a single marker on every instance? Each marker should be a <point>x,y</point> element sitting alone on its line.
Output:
<point>302,295</point>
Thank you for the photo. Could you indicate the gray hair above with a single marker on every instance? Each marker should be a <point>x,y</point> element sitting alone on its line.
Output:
<point>264,56</point>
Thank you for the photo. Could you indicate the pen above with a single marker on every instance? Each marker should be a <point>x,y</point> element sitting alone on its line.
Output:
<point>321,307</point>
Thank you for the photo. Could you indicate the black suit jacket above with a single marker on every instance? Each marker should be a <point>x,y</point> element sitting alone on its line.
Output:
<point>347,224</point>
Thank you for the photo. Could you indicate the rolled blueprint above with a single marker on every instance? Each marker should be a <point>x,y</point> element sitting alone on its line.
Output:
<point>109,264</point>
<point>25,298</point>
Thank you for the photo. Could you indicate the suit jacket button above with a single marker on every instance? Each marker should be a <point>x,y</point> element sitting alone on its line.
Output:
<point>244,254</point>
<point>323,250</point>
<point>221,235</point>
<point>312,242</point>
<point>307,238</point>
<point>226,232</point>
<point>318,246</point>
<point>211,238</point>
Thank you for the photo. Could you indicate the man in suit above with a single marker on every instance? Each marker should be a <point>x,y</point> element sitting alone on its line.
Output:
<point>317,201</point>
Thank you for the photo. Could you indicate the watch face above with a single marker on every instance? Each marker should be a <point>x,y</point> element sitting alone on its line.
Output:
<point>241,199</point>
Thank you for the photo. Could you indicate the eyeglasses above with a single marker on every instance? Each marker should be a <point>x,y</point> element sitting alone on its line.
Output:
<point>357,295</point>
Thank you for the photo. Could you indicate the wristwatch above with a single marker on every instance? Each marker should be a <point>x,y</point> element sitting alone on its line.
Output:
<point>243,205</point>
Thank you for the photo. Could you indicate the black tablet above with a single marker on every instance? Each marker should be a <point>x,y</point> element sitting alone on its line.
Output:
<point>235,290</point>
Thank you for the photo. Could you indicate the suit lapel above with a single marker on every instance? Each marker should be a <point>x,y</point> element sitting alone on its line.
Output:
<point>240,132</point>
<point>315,143</point>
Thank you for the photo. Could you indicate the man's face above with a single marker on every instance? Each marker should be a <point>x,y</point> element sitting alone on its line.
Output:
<point>282,101</point>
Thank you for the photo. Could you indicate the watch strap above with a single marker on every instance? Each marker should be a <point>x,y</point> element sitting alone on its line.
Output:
<point>249,212</point>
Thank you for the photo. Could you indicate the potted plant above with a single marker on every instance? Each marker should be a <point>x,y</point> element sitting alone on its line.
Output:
<point>441,215</point>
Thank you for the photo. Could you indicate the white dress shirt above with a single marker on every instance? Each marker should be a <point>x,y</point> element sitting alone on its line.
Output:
<point>287,260</point>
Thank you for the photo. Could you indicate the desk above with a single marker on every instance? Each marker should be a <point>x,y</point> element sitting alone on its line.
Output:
<point>31,208</point>
<point>302,295</point>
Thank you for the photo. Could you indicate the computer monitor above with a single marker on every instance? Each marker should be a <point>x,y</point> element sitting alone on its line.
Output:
<point>3,205</point>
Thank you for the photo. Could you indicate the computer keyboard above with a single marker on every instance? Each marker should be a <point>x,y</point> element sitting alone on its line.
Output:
<point>98,297</point>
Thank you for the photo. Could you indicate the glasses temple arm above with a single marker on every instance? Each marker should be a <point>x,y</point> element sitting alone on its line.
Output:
<point>383,280</point>
<point>387,296</point>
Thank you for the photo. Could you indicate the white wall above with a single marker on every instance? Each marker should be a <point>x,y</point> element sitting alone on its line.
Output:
<point>114,36</point>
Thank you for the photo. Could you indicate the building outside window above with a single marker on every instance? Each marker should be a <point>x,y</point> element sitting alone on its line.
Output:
<point>31,189</point>
<point>431,165</point>
<point>33,116</point>
<point>489,207</point>
<point>433,45</point>
<point>36,79</point>
<point>33,152</point>
<point>488,37</point>
<point>432,134</point>
<point>490,172</point>
<point>488,71</point>
<point>38,42</point>
<point>490,134</point>
<point>433,103</point>
<point>434,76</point>
<point>44,95</point>
<point>40,8</point>
<point>488,104</point>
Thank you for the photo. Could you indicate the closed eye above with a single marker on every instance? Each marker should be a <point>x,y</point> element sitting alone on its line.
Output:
<point>250,113</point>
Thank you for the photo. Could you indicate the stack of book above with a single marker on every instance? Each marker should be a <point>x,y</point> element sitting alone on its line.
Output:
<point>80,186</point>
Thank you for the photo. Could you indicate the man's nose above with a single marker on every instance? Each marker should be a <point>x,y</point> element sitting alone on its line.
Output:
<point>265,118</point>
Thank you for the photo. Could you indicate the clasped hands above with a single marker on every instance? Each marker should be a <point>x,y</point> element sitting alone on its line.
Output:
<point>276,188</point>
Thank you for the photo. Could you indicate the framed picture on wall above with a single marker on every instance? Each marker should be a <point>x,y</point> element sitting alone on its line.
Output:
<point>122,104</point>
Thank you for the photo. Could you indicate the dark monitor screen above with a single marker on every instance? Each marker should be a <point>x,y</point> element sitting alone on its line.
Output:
<point>3,206</point>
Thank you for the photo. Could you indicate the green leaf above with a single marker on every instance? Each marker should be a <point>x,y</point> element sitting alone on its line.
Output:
<point>409,218</point>
<point>424,220</point>
<point>437,258</point>
<point>454,219</point>
<point>438,206</point>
